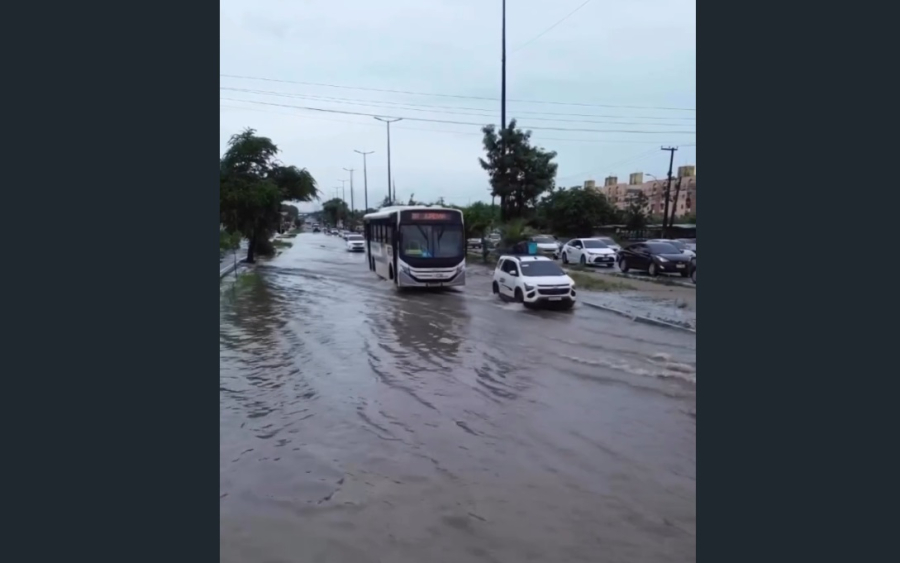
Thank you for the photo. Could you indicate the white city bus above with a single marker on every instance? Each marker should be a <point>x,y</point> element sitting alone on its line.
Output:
<point>417,246</point>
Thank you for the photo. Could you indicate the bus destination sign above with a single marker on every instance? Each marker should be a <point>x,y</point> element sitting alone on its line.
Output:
<point>430,216</point>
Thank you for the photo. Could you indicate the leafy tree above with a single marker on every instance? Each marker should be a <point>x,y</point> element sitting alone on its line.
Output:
<point>253,183</point>
<point>478,218</point>
<point>636,213</point>
<point>335,210</point>
<point>575,211</point>
<point>519,172</point>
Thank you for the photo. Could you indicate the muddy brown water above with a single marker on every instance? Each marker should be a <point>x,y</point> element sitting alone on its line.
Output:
<point>359,424</point>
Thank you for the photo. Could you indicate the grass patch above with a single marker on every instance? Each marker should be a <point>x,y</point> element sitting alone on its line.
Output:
<point>586,280</point>
<point>278,243</point>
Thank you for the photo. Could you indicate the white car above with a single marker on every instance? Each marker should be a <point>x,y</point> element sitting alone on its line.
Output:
<point>546,245</point>
<point>533,279</point>
<point>355,243</point>
<point>588,252</point>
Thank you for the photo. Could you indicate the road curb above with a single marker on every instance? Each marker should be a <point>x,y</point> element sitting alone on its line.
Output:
<point>668,281</point>
<point>639,318</point>
<point>230,268</point>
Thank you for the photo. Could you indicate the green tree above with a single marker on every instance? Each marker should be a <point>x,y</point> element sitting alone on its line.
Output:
<point>478,218</point>
<point>335,210</point>
<point>519,172</point>
<point>636,213</point>
<point>253,183</point>
<point>575,211</point>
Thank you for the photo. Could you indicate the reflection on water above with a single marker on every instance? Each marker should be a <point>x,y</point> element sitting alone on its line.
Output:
<point>359,423</point>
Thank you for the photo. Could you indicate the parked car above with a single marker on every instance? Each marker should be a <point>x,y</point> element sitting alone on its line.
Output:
<point>474,243</point>
<point>677,244</point>
<point>588,252</point>
<point>546,245</point>
<point>655,258</point>
<point>533,279</point>
<point>694,270</point>
<point>690,243</point>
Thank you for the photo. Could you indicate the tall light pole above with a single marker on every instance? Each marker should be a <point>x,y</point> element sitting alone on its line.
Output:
<point>389,121</point>
<point>503,73</point>
<point>365,177</point>
<point>352,206</point>
<point>343,190</point>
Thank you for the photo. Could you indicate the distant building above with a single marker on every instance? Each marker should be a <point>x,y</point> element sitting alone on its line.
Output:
<point>621,195</point>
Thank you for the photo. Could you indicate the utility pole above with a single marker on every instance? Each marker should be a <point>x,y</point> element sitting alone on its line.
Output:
<point>352,206</point>
<point>503,73</point>
<point>389,121</point>
<point>365,178</point>
<point>668,188</point>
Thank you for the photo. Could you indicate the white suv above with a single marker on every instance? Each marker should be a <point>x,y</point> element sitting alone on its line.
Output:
<point>533,279</point>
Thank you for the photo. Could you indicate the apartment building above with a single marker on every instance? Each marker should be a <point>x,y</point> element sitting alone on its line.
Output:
<point>622,194</point>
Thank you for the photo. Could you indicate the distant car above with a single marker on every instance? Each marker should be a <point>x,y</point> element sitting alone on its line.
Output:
<point>588,252</point>
<point>474,243</point>
<point>546,245</point>
<point>677,244</point>
<point>533,279</point>
<point>690,243</point>
<point>610,243</point>
<point>655,258</point>
<point>333,232</point>
<point>316,230</point>
<point>355,243</point>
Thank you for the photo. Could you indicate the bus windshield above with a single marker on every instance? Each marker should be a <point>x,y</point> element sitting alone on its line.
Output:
<point>432,241</point>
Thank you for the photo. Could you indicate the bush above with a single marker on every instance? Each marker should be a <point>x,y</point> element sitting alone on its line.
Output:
<point>229,241</point>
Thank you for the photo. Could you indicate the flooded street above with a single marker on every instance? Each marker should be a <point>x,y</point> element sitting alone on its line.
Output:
<point>359,424</point>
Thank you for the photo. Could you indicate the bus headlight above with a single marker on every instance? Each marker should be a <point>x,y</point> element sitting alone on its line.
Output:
<point>405,270</point>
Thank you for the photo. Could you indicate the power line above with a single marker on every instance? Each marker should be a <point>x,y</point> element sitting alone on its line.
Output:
<point>628,131</point>
<point>409,92</point>
<point>482,114</point>
<point>541,34</point>
<point>483,110</point>
<point>467,133</point>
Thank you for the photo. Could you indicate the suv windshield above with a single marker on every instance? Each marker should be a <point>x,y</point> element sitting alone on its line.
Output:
<point>540,268</point>
<point>594,244</point>
<point>432,241</point>
<point>354,237</point>
<point>543,240</point>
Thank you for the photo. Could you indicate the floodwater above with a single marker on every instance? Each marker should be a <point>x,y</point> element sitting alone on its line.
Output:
<point>359,424</point>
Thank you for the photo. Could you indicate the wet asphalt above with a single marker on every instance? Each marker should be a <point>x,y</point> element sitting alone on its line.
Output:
<point>362,424</point>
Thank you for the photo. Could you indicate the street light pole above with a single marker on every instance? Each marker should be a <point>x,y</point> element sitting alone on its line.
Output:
<point>352,206</point>
<point>365,177</point>
<point>389,121</point>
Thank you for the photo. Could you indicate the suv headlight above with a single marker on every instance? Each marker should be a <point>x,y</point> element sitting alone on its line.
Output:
<point>528,287</point>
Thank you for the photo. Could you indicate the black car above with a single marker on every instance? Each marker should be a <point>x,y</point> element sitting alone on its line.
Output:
<point>655,258</point>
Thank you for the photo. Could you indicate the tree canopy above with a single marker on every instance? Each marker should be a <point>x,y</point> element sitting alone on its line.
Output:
<point>636,216</point>
<point>335,210</point>
<point>575,211</point>
<point>519,172</point>
<point>253,183</point>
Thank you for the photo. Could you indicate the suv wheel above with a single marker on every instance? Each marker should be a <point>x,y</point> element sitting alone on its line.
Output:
<point>496,288</point>
<point>520,297</point>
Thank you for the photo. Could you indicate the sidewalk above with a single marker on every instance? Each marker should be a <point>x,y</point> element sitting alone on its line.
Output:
<point>231,260</point>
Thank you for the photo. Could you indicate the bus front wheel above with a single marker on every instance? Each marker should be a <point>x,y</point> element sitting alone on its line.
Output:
<point>391,273</point>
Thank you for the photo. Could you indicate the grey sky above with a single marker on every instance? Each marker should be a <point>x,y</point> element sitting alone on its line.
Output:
<point>614,53</point>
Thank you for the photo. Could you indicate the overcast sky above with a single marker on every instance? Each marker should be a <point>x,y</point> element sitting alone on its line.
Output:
<point>608,55</point>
